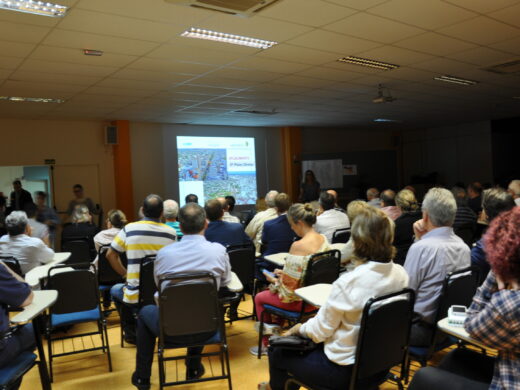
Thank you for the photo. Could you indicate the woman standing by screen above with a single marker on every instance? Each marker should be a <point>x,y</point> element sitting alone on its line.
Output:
<point>310,188</point>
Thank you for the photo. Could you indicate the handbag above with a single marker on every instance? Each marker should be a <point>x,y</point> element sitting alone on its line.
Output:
<point>293,343</point>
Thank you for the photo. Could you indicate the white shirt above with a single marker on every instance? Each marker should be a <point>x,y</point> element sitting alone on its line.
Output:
<point>29,251</point>
<point>338,321</point>
<point>330,221</point>
<point>428,261</point>
<point>230,218</point>
<point>517,201</point>
<point>256,226</point>
<point>38,229</point>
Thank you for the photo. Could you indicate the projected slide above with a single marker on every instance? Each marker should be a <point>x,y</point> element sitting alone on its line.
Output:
<point>217,166</point>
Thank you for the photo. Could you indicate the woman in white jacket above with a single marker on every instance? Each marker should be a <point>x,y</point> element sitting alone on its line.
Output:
<point>337,323</point>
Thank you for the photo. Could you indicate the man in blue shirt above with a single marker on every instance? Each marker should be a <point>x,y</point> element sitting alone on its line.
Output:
<point>16,293</point>
<point>225,233</point>
<point>193,254</point>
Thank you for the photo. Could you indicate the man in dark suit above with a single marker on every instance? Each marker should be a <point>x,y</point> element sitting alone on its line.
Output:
<point>277,235</point>
<point>20,197</point>
<point>225,233</point>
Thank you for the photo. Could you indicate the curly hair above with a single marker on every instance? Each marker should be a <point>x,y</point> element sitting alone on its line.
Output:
<point>502,245</point>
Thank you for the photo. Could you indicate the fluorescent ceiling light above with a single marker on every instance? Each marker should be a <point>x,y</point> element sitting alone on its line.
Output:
<point>368,63</point>
<point>31,99</point>
<point>34,7</point>
<point>387,120</point>
<point>455,80</point>
<point>227,38</point>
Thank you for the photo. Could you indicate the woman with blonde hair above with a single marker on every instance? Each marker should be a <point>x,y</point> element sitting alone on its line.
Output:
<point>354,208</point>
<point>284,281</point>
<point>336,326</point>
<point>404,235</point>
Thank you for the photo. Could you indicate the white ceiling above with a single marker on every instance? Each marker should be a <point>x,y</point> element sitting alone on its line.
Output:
<point>150,73</point>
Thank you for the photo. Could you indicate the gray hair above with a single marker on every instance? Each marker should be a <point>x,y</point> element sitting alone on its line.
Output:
<point>440,205</point>
<point>269,198</point>
<point>514,187</point>
<point>170,209</point>
<point>16,223</point>
<point>80,214</point>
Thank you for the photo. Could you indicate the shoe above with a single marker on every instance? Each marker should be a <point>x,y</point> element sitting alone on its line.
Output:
<point>140,383</point>
<point>254,351</point>
<point>129,339</point>
<point>195,374</point>
<point>269,329</point>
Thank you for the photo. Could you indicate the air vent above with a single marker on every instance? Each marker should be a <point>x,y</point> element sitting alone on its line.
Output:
<point>234,7</point>
<point>510,67</point>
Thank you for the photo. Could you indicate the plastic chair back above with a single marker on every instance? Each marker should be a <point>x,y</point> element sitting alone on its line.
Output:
<point>147,287</point>
<point>79,251</point>
<point>13,264</point>
<point>188,304</point>
<point>242,259</point>
<point>106,274</point>
<point>384,334</point>
<point>323,267</point>
<point>341,236</point>
<point>77,289</point>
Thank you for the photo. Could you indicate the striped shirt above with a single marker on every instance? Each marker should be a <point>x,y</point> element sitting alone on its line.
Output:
<point>137,240</point>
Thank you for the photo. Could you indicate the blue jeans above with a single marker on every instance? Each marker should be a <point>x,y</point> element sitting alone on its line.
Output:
<point>22,340</point>
<point>148,331</point>
<point>126,310</point>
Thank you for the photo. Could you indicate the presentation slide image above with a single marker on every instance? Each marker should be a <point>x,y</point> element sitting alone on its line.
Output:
<point>242,187</point>
<point>202,164</point>
<point>191,187</point>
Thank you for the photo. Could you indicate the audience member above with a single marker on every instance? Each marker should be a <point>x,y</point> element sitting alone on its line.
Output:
<point>329,219</point>
<point>281,290</point>
<point>231,201</point>
<point>38,229</point>
<point>404,235</point>
<point>81,200</point>
<point>47,215</point>
<point>373,197</point>
<point>436,252</point>
<point>388,204</point>
<point>337,324</point>
<point>255,227</point>
<point>225,207</point>
<point>29,251</point>
<point>193,254</point>
<point>514,190</point>
<point>19,197</point>
<point>137,240</point>
<point>336,205</point>
<point>277,235</point>
<point>14,341</point>
<point>2,214</point>
<point>81,227</point>
<point>495,201</point>
<point>354,209</point>
<point>465,219</point>
<point>116,220</point>
<point>310,188</point>
<point>475,197</point>
<point>218,230</point>
<point>191,198</point>
<point>170,212</point>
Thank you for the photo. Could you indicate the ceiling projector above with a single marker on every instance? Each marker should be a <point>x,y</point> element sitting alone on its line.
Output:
<point>381,97</point>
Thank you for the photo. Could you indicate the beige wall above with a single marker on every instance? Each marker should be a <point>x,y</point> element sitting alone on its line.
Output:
<point>78,148</point>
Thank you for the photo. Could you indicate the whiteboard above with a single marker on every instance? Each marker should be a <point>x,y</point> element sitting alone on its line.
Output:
<point>328,172</point>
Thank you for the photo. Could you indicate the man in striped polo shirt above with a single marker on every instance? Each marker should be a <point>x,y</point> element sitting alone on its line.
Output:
<point>137,240</point>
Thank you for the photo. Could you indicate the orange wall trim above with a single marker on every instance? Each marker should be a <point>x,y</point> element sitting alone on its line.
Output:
<point>291,152</point>
<point>123,170</point>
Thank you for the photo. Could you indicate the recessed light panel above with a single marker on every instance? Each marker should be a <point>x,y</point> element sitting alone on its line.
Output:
<point>42,8</point>
<point>368,63</point>
<point>455,80</point>
<point>31,99</point>
<point>227,38</point>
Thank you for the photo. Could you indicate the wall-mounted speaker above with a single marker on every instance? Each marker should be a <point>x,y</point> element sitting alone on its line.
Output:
<point>111,135</point>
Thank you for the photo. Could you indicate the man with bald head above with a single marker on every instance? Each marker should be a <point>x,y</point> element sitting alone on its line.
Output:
<point>388,204</point>
<point>255,227</point>
<point>227,216</point>
<point>336,205</point>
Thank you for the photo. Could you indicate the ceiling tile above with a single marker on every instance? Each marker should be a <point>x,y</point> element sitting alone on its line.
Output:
<point>309,12</point>
<point>298,54</point>
<point>257,27</point>
<point>510,45</point>
<point>338,43</point>
<point>431,14</point>
<point>10,62</point>
<point>35,65</point>
<point>213,81</point>
<point>270,65</point>
<point>482,6</point>
<point>204,55</point>
<point>330,74</point>
<point>133,84</point>
<point>81,40</point>
<point>510,15</point>
<point>16,49</point>
<point>158,65</point>
<point>436,44</point>
<point>482,56</point>
<point>444,66</point>
<point>201,90</point>
<point>22,32</point>
<point>481,30</point>
<point>56,77</point>
<point>76,56</point>
<point>95,90</point>
<point>303,81</point>
<point>395,55</point>
<point>358,4</point>
<point>118,26</point>
<point>245,74</point>
<point>146,75</point>
<point>362,25</point>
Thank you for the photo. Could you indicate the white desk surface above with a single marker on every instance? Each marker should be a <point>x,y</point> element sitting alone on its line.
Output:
<point>277,258</point>
<point>60,257</point>
<point>339,246</point>
<point>459,332</point>
<point>42,300</point>
<point>235,285</point>
<point>316,295</point>
<point>34,276</point>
